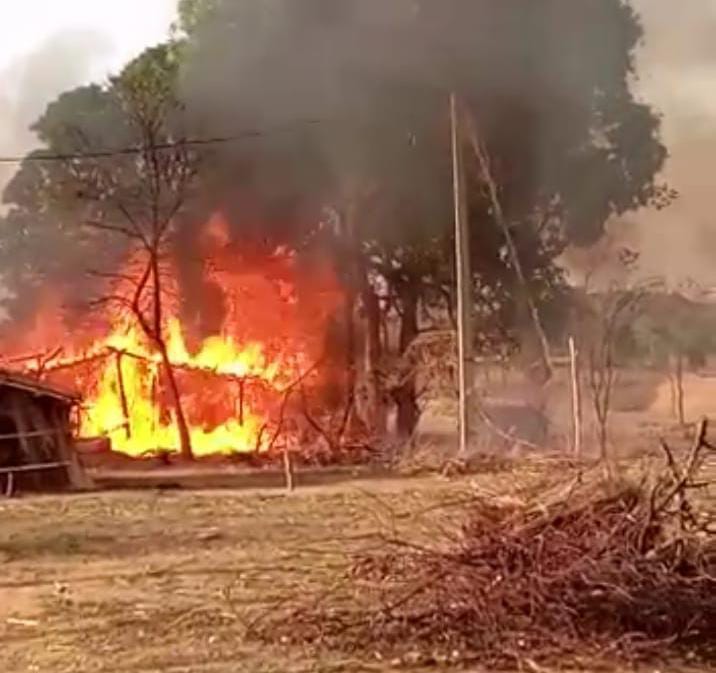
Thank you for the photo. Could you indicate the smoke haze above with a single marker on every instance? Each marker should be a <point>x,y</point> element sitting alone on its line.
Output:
<point>30,83</point>
<point>677,67</point>
<point>48,47</point>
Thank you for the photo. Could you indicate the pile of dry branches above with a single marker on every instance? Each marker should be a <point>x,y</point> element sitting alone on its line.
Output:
<point>588,570</point>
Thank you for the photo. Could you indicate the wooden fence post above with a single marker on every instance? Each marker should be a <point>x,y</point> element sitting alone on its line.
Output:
<point>576,400</point>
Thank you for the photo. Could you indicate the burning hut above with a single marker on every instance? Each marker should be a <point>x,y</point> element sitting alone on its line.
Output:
<point>218,376</point>
<point>36,446</point>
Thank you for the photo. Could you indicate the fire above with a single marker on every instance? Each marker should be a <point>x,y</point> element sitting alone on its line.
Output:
<point>231,382</point>
<point>129,381</point>
<point>221,354</point>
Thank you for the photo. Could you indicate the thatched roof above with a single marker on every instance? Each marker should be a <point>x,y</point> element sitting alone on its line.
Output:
<point>18,381</point>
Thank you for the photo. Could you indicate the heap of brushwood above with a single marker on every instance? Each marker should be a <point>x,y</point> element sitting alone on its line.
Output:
<point>589,570</point>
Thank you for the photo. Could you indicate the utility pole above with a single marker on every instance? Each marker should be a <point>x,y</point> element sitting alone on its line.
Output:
<point>576,399</point>
<point>464,282</point>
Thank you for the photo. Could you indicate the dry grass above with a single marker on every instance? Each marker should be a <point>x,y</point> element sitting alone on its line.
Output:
<point>583,573</point>
<point>152,581</point>
<point>170,582</point>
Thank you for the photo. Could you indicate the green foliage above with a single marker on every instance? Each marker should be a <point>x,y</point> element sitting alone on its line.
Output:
<point>147,86</point>
<point>552,95</point>
<point>353,98</point>
<point>42,245</point>
<point>192,13</point>
<point>569,143</point>
<point>65,215</point>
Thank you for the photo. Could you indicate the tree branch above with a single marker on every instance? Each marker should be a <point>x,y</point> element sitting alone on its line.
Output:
<point>129,233</point>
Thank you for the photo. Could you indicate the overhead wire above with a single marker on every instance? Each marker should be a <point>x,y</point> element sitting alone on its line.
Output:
<point>39,157</point>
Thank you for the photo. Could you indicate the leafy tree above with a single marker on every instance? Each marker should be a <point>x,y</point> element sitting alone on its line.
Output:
<point>42,245</point>
<point>354,158</point>
<point>101,192</point>
<point>356,95</point>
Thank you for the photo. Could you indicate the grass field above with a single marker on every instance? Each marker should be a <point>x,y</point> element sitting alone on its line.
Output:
<point>166,581</point>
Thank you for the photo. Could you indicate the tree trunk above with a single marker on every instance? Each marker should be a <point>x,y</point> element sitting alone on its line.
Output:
<point>405,396</point>
<point>354,421</point>
<point>408,411</point>
<point>602,439</point>
<point>350,364</point>
<point>374,354</point>
<point>180,419</point>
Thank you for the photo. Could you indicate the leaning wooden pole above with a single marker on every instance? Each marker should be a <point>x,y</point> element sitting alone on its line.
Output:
<point>242,389</point>
<point>123,396</point>
<point>499,215</point>
<point>464,282</point>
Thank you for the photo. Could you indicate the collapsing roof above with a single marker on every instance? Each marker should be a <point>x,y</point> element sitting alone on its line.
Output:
<point>36,440</point>
<point>29,384</point>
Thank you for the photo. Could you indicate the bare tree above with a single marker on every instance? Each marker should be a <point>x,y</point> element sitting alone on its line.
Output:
<point>611,312</point>
<point>139,197</point>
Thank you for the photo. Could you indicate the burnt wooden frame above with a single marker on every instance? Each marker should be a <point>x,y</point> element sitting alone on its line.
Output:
<point>41,416</point>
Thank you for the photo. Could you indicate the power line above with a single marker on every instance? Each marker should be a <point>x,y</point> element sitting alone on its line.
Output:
<point>129,151</point>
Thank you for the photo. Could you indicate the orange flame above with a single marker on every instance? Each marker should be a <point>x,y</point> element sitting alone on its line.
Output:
<point>231,383</point>
<point>147,425</point>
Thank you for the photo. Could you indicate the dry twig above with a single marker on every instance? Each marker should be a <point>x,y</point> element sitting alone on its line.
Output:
<point>627,573</point>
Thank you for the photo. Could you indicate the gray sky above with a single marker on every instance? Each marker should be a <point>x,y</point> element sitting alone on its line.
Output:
<point>678,76</point>
<point>47,46</point>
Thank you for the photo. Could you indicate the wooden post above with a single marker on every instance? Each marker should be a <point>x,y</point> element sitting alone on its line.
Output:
<point>20,420</point>
<point>123,397</point>
<point>153,371</point>
<point>23,430</point>
<point>464,283</point>
<point>576,400</point>
<point>672,388</point>
<point>10,485</point>
<point>288,469</point>
<point>242,384</point>
<point>43,437</point>
<point>78,478</point>
<point>680,409</point>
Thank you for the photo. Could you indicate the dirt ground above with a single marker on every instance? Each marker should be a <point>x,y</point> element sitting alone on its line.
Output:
<point>167,581</point>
